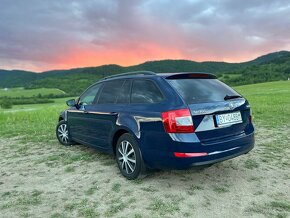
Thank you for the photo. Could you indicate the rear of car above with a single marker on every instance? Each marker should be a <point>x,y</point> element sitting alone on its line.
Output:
<point>213,124</point>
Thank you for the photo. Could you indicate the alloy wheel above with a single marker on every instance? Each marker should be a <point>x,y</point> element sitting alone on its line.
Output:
<point>63,133</point>
<point>126,157</point>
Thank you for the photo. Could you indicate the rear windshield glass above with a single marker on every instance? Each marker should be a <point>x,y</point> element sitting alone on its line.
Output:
<point>201,90</point>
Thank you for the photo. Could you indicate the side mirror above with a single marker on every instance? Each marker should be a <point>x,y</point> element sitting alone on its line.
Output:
<point>71,103</point>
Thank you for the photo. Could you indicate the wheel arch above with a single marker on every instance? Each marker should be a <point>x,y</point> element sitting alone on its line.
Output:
<point>60,118</point>
<point>117,135</point>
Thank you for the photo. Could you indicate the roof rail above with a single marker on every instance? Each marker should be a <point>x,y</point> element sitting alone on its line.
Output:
<point>129,74</point>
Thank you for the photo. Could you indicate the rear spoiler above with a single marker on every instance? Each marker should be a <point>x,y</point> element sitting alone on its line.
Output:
<point>191,76</point>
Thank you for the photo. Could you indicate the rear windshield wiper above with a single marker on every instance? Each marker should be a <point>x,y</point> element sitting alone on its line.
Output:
<point>227,97</point>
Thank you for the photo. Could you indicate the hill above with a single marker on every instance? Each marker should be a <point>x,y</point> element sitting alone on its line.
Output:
<point>269,67</point>
<point>272,57</point>
<point>14,78</point>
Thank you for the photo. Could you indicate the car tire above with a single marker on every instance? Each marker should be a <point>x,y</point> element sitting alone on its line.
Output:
<point>129,157</point>
<point>62,134</point>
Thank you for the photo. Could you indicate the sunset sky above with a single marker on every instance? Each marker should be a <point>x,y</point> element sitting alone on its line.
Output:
<point>43,35</point>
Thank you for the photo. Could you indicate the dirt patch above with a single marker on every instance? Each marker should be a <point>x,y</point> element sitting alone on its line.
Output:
<point>49,180</point>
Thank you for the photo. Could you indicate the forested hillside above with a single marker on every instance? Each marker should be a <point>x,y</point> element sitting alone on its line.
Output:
<point>270,67</point>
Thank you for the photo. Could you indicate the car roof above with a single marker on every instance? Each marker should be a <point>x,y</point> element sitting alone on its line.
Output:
<point>146,74</point>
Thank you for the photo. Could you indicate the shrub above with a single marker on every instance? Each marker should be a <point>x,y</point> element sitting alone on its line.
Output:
<point>6,103</point>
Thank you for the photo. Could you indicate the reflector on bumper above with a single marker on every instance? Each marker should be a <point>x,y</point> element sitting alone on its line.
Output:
<point>178,154</point>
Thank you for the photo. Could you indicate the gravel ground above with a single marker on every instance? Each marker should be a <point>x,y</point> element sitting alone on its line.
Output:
<point>46,179</point>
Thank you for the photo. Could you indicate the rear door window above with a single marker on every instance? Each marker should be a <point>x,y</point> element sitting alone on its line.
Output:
<point>201,90</point>
<point>110,92</point>
<point>145,91</point>
<point>124,93</point>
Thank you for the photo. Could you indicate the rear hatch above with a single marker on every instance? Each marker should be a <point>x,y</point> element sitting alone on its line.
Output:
<point>218,112</point>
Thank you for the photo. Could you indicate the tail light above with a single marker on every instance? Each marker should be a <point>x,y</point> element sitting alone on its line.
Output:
<point>178,121</point>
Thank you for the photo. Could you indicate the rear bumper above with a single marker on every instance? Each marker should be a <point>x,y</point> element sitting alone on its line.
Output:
<point>224,157</point>
<point>215,152</point>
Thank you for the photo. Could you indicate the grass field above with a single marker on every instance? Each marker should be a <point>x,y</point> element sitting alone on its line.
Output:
<point>40,178</point>
<point>270,102</point>
<point>21,92</point>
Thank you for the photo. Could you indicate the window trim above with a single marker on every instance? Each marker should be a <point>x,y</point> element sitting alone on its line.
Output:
<point>156,85</point>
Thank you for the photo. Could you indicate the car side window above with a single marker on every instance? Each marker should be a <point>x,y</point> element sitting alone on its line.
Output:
<point>89,96</point>
<point>110,92</point>
<point>145,91</point>
<point>124,93</point>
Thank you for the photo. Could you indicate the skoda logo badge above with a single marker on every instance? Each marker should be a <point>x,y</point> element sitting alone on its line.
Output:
<point>231,105</point>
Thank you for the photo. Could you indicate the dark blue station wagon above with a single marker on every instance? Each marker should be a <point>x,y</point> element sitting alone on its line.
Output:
<point>160,121</point>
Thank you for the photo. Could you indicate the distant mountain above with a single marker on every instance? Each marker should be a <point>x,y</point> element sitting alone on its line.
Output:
<point>273,66</point>
<point>272,57</point>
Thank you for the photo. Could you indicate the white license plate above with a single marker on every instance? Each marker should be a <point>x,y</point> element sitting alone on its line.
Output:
<point>228,119</point>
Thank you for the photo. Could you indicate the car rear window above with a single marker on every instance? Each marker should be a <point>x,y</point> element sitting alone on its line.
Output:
<point>201,90</point>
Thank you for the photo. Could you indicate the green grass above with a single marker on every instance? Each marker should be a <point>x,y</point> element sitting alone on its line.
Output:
<point>164,207</point>
<point>21,92</point>
<point>251,164</point>
<point>194,188</point>
<point>58,103</point>
<point>31,122</point>
<point>69,169</point>
<point>85,208</point>
<point>116,187</point>
<point>116,205</point>
<point>92,190</point>
<point>149,189</point>
<point>24,200</point>
<point>280,205</point>
<point>270,102</point>
<point>66,158</point>
<point>221,189</point>
<point>271,209</point>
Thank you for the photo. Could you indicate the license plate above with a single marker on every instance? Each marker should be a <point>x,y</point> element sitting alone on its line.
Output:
<point>228,119</point>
